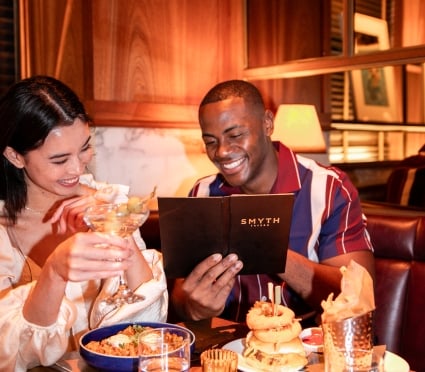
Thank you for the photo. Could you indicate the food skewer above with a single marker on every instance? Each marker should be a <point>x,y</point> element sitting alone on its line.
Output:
<point>271,294</point>
<point>277,298</point>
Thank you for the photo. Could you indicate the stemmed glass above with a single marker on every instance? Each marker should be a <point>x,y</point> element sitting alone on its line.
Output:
<point>122,220</point>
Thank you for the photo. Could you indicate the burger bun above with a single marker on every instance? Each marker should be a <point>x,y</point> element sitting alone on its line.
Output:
<point>293,346</point>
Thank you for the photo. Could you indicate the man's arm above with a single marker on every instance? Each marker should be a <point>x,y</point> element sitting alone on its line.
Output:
<point>342,238</point>
<point>315,281</point>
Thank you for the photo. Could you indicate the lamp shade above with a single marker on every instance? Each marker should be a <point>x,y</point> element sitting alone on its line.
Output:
<point>298,127</point>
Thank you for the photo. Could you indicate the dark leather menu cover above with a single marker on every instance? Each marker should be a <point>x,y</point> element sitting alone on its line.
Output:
<point>255,227</point>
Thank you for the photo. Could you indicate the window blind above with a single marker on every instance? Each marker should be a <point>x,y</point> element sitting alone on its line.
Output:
<point>8,45</point>
<point>372,8</point>
<point>363,146</point>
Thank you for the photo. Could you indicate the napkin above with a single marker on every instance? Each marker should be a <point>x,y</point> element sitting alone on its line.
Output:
<point>106,192</point>
<point>356,297</point>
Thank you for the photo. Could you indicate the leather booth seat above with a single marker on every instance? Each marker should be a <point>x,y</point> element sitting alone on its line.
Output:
<point>406,186</point>
<point>406,182</point>
<point>150,231</point>
<point>398,236</point>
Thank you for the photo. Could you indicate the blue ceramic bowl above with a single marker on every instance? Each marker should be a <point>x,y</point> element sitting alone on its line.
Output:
<point>110,363</point>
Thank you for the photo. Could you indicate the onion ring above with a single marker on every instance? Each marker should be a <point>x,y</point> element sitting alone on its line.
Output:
<point>261,316</point>
<point>277,335</point>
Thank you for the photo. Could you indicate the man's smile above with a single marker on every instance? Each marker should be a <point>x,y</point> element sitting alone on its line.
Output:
<point>233,164</point>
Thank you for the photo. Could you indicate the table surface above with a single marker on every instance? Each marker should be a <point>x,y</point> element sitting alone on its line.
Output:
<point>209,333</point>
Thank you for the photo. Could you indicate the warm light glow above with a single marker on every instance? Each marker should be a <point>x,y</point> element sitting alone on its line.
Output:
<point>298,127</point>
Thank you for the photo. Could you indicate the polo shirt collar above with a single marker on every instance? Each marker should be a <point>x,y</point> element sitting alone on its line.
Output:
<point>288,177</point>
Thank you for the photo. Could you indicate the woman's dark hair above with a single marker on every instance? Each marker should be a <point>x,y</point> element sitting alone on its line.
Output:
<point>29,110</point>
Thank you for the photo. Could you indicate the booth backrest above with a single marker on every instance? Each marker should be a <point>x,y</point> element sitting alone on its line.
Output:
<point>398,237</point>
<point>150,231</point>
<point>406,182</point>
<point>406,186</point>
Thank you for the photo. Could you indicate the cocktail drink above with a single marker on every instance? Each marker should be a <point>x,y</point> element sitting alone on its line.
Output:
<point>121,220</point>
<point>114,219</point>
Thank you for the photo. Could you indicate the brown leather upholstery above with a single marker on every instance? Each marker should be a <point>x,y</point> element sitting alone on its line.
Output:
<point>398,237</point>
<point>406,186</point>
<point>406,183</point>
<point>150,231</point>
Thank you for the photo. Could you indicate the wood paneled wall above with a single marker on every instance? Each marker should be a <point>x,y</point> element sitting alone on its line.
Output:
<point>165,51</point>
<point>159,57</point>
<point>56,40</point>
<point>284,31</point>
<point>139,62</point>
<point>150,53</point>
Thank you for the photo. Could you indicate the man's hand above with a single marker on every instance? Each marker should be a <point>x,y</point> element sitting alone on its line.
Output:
<point>204,292</point>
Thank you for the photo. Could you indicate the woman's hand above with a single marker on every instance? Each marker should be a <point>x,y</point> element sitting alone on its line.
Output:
<point>69,214</point>
<point>90,255</point>
<point>84,256</point>
<point>139,270</point>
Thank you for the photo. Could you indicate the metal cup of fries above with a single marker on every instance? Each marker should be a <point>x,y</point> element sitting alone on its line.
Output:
<point>348,344</point>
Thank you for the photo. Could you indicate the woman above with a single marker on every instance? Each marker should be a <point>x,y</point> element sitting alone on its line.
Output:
<point>51,266</point>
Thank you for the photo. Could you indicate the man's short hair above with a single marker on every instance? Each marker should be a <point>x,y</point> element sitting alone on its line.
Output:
<point>234,88</point>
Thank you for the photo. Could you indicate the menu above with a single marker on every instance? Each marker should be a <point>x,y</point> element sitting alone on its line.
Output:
<point>255,227</point>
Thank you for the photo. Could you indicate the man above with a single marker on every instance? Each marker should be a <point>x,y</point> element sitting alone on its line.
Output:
<point>327,229</point>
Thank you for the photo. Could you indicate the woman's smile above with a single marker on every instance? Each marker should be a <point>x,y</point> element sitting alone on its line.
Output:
<point>69,182</point>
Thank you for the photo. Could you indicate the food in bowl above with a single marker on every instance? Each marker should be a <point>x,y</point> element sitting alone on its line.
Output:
<point>312,339</point>
<point>123,343</point>
<point>117,363</point>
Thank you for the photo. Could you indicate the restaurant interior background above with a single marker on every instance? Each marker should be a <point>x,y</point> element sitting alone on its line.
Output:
<point>142,67</point>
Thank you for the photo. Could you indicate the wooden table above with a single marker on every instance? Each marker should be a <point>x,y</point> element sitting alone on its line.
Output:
<point>210,333</point>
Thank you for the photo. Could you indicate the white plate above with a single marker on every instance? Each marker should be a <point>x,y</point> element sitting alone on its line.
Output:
<point>392,362</point>
<point>238,346</point>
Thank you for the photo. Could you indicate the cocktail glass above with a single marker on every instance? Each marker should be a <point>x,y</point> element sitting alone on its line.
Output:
<point>122,220</point>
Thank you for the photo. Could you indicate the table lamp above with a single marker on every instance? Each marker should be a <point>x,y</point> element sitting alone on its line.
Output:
<point>298,127</point>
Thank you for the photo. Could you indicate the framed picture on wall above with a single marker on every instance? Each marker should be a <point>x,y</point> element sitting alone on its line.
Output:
<point>373,88</point>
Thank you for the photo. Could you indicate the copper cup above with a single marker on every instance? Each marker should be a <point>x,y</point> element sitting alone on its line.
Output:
<point>348,344</point>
